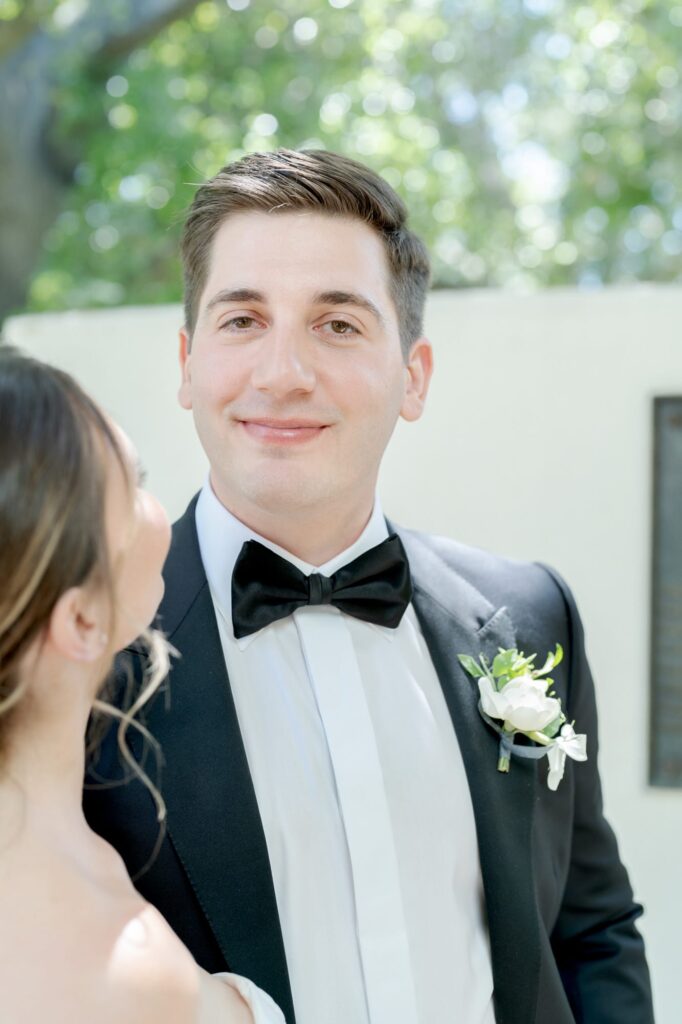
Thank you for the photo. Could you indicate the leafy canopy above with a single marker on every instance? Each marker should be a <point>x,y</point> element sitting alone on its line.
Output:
<point>535,141</point>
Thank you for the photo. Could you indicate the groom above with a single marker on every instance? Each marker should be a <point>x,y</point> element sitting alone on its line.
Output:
<point>337,828</point>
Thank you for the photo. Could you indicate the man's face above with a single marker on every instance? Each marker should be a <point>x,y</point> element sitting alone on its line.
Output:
<point>295,374</point>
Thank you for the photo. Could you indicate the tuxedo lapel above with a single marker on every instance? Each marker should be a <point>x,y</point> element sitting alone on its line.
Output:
<point>213,818</point>
<point>457,619</point>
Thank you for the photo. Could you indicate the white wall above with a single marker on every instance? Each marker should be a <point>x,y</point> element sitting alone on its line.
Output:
<point>536,443</point>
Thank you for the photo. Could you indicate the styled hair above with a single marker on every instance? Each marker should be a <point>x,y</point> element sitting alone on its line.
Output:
<point>52,521</point>
<point>317,181</point>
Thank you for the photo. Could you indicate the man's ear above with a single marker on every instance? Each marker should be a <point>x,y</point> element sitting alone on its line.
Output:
<point>185,390</point>
<point>418,370</point>
<point>75,626</point>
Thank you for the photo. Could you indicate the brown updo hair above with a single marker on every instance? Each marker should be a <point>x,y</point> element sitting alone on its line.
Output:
<point>52,494</point>
<point>53,439</point>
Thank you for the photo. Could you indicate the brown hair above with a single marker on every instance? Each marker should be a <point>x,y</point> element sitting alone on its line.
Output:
<point>313,180</point>
<point>52,521</point>
<point>51,502</point>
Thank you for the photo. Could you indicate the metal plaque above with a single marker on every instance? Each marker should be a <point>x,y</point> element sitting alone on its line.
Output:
<point>666,611</point>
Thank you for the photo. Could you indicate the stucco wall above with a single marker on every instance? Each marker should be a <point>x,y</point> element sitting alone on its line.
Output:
<point>537,443</point>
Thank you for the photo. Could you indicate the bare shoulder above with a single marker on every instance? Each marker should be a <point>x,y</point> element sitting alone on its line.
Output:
<point>153,978</point>
<point>150,975</point>
<point>79,951</point>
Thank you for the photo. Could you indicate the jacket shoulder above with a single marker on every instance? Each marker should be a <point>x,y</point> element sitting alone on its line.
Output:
<point>535,595</point>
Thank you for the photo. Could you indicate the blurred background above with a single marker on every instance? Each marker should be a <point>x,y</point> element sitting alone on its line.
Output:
<point>537,144</point>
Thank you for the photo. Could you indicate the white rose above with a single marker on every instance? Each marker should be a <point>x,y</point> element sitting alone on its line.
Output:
<point>523,703</point>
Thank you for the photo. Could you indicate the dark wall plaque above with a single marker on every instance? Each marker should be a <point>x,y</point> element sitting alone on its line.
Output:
<point>666,617</point>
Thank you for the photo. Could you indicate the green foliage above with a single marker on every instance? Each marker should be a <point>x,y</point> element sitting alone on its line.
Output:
<point>551,661</point>
<point>536,143</point>
<point>471,666</point>
<point>509,664</point>
<point>554,727</point>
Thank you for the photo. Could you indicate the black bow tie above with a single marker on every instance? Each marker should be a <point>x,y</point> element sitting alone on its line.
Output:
<point>375,587</point>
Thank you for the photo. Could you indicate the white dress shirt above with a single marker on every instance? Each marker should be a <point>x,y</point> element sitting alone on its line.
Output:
<point>364,803</point>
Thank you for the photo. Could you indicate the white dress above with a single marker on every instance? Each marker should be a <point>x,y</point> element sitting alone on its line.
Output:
<point>264,1010</point>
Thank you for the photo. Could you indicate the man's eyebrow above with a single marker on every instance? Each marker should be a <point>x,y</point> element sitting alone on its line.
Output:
<point>234,295</point>
<point>335,297</point>
<point>340,298</point>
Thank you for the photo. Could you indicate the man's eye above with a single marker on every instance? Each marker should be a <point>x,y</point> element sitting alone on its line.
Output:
<point>238,323</point>
<point>341,327</point>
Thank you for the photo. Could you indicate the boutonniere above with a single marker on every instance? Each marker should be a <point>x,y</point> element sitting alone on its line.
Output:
<point>520,696</point>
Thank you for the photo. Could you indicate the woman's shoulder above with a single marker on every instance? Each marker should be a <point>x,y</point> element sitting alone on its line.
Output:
<point>149,975</point>
<point>154,978</point>
<point>76,948</point>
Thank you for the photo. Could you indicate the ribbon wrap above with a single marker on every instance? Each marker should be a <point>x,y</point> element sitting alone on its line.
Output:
<point>507,746</point>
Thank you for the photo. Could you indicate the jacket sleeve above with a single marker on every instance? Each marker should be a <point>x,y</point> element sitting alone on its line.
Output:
<point>598,949</point>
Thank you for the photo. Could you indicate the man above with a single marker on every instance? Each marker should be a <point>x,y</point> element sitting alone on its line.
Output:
<point>337,829</point>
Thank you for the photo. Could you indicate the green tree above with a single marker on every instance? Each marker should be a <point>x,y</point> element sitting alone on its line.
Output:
<point>47,48</point>
<point>535,141</point>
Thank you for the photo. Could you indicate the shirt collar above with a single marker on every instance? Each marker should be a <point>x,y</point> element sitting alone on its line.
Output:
<point>221,536</point>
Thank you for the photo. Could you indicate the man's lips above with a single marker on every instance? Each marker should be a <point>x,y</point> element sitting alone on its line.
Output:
<point>294,431</point>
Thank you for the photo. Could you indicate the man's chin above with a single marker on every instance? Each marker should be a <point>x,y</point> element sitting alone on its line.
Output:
<point>277,488</point>
<point>284,501</point>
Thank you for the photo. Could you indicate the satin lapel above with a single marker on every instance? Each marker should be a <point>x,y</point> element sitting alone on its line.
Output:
<point>213,818</point>
<point>457,619</point>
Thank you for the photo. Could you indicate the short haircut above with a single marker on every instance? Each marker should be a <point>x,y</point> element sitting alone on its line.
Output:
<point>316,181</point>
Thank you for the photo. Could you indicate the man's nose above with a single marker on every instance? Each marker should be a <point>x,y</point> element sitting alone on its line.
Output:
<point>284,363</point>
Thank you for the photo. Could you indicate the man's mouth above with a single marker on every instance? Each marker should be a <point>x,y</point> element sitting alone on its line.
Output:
<point>283,431</point>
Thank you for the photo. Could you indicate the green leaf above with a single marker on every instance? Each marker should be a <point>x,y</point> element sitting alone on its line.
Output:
<point>553,728</point>
<point>471,665</point>
<point>503,663</point>
<point>486,668</point>
<point>523,665</point>
<point>551,661</point>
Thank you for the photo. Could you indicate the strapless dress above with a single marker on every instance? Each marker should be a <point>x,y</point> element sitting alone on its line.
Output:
<point>264,1010</point>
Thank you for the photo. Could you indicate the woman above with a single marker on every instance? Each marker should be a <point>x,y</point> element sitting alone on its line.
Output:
<point>81,551</point>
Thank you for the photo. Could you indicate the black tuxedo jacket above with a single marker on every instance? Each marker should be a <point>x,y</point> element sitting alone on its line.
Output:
<point>560,909</point>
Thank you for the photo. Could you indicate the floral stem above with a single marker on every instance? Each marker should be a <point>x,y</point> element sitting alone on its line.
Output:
<point>503,764</point>
<point>540,737</point>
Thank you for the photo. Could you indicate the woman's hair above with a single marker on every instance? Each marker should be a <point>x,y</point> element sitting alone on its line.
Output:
<point>53,440</point>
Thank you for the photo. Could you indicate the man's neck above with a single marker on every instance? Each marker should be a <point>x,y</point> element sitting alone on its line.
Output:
<point>314,537</point>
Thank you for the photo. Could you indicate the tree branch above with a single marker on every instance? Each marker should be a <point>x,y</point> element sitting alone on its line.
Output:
<point>34,172</point>
<point>14,33</point>
<point>109,32</point>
